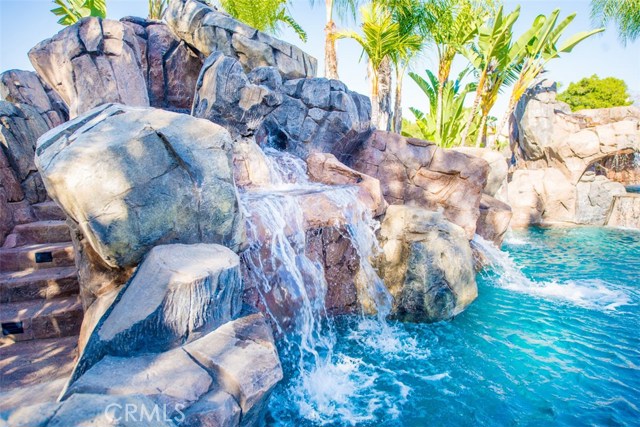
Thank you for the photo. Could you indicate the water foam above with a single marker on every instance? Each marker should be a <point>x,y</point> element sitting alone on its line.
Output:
<point>590,293</point>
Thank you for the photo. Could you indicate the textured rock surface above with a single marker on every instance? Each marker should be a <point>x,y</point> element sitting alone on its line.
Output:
<point>25,87</point>
<point>178,293</point>
<point>239,102</point>
<point>133,178</point>
<point>20,128</point>
<point>594,198</point>
<point>11,196</point>
<point>494,220</point>
<point>549,135</point>
<point>326,169</point>
<point>498,169</point>
<point>625,212</point>
<point>242,357</point>
<point>419,173</point>
<point>92,62</point>
<point>317,115</point>
<point>208,31</point>
<point>427,265</point>
<point>170,67</point>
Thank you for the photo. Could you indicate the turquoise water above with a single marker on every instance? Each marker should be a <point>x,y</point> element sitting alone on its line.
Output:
<point>553,339</point>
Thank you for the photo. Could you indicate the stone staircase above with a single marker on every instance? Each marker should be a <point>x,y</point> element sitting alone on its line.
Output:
<point>38,280</point>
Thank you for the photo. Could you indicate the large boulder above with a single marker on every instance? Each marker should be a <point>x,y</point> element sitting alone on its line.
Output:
<point>625,212</point>
<point>419,173</point>
<point>92,62</point>
<point>11,197</point>
<point>207,30</point>
<point>25,87</point>
<point>20,127</point>
<point>494,220</point>
<point>228,96</point>
<point>170,67</point>
<point>133,178</point>
<point>498,169</point>
<point>427,265</point>
<point>179,293</point>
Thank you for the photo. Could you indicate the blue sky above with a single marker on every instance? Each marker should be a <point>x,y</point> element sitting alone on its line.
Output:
<point>23,23</point>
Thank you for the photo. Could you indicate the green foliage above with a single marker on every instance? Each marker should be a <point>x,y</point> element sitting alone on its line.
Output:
<point>594,92</point>
<point>454,114</point>
<point>157,8</point>
<point>71,11</point>
<point>625,14</point>
<point>263,15</point>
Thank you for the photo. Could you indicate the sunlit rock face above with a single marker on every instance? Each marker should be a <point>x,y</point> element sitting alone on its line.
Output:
<point>207,30</point>
<point>420,174</point>
<point>625,211</point>
<point>133,178</point>
<point>427,265</point>
<point>92,62</point>
<point>494,220</point>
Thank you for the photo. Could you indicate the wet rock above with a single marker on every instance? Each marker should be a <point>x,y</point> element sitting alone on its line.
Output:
<point>133,178</point>
<point>239,102</point>
<point>30,416</point>
<point>25,87</point>
<point>494,220</point>
<point>427,265</point>
<point>92,62</point>
<point>207,30</point>
<point>317,115</point>
<point>325,168</point>
<point>242,357</point>
<point>178,293</point>
<point>250,165</point>
<point>421,174</point>
<point>595,197</point>
<point>20,127</point>
<point>216,409</point>
<point>170,67</point>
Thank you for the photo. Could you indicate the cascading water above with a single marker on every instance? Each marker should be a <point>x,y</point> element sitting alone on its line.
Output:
<point>292,287</point>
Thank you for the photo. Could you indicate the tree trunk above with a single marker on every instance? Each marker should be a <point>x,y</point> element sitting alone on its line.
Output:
<point>397,111</point>
<point>481,140</point>
<point>474,110</point>
<point>330,55</point>
<point>383,76</point>
<point>506,117</point>
<point>375,105</point>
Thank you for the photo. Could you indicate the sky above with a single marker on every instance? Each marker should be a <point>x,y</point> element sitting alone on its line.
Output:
<point>24,23</point>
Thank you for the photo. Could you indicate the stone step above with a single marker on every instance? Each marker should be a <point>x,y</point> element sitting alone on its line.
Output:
<point>45,284</point>
<point>40,319</point>
<point>38,232</point>
<point>48,211</point>
<point>38,256</point>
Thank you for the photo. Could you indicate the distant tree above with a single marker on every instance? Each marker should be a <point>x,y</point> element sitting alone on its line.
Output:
<point>625,14</point>
<point>594,92</point>
<point>71,11</point>
<point>263,15</point>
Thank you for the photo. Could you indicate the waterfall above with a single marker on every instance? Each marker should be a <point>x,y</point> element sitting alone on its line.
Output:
<point>505,273</point>
<point>291,286</point>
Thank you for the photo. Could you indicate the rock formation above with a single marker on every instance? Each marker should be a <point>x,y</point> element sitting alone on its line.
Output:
<point>207,31</point>
<point>427,265</point>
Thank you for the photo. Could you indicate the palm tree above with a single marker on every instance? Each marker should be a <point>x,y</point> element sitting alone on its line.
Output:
<point>624,13</point>
<point>452,25</point>
<point>71,11</point>
<point>381,38</point>
<point>156,8</point>
<point>535,48</point>
<point>263,15</point>
<point>490,57</point>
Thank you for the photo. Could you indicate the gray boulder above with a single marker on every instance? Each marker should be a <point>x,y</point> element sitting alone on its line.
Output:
<point>25,87</point>
<point>170,67</point>
<point>92,62</point>
<point>134,178</point>
<point>595,195</point>
<point>427,265</point>
<point>207,30</point>
<point>178,293</point>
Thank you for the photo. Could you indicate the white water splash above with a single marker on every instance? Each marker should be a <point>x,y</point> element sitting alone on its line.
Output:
<point>592,294</point>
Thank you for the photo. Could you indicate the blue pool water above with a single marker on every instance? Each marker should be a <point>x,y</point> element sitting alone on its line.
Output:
<point>553,339</point>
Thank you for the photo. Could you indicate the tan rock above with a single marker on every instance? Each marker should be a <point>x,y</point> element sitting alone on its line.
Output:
<point>625,212</point>
<point>494,220</point>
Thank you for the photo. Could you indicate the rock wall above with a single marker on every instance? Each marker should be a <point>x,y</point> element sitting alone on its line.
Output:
<point>419,173</point>
<point>91,63</point>
<point>625,212</point>
<point>207,30</point>
<point>554,153</point>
